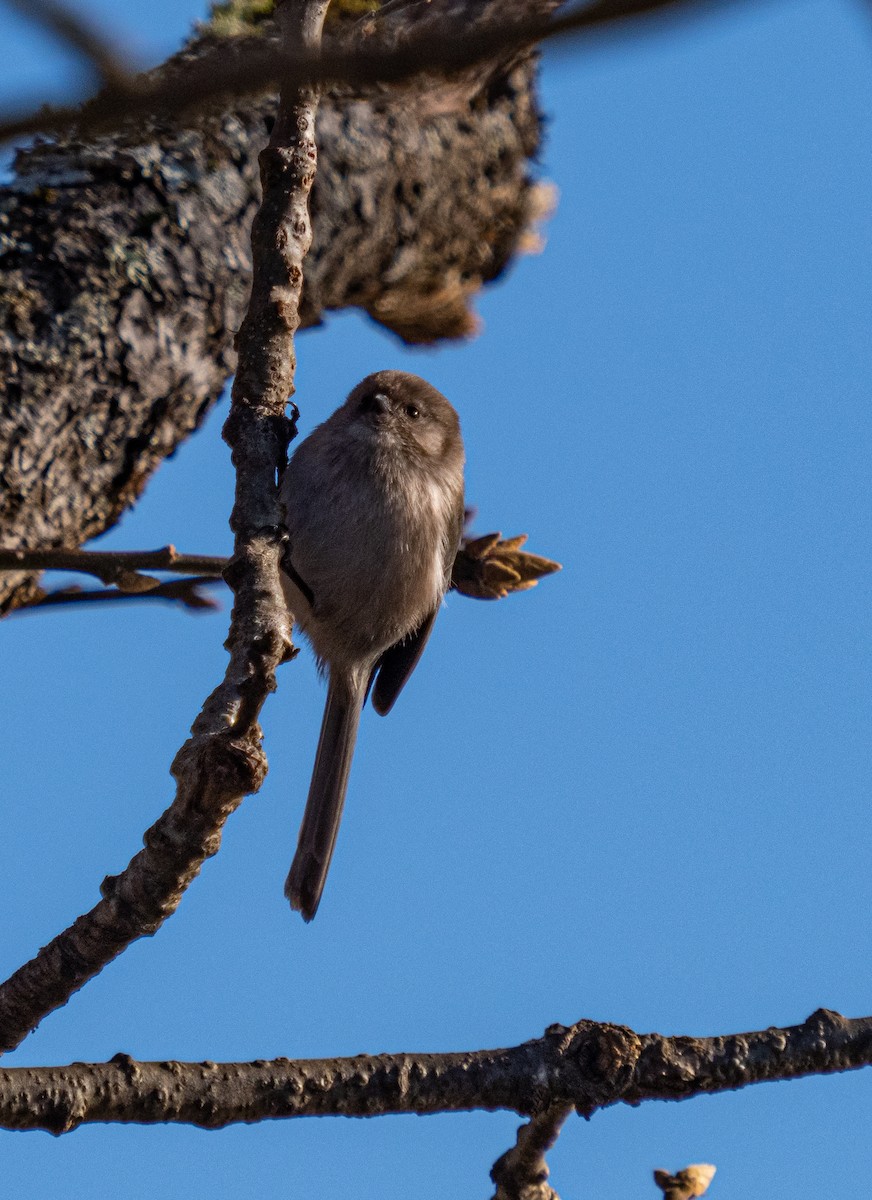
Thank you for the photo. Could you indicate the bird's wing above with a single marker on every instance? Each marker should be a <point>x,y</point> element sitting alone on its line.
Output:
<point>397,664</point>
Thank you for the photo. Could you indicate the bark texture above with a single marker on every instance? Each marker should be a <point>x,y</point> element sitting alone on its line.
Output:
<point>223,760</point>
<point>125,266</point>
<point>585,1067</point>
<point>522,1172</point>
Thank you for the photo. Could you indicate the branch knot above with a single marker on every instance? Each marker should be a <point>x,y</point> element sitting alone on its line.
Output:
<point>595,1061</point>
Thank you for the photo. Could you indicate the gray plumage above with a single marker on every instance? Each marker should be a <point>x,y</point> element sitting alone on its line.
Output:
<point>373,502</point>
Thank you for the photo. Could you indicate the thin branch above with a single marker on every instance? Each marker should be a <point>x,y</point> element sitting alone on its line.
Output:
<point>81,36</point>
<point>185,592</point>
<point>120,567</point>
<point>585,1067</point>
<point>256,64</point>
<point>522,1173</point>
<point>223,761</point>
<point>486,568</point>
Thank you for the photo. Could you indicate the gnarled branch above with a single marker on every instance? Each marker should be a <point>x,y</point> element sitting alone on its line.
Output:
<point>223,760</point>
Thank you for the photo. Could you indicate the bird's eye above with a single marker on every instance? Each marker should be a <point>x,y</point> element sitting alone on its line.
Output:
<point>413,411</point>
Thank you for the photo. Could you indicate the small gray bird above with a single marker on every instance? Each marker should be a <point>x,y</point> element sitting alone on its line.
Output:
<point>373,502</point>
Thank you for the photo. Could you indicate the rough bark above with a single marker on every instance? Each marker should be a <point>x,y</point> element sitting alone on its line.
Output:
<point>585,1067</point>
<point>522,1172</point>
<point>223,760</point>
<point>124,268</point>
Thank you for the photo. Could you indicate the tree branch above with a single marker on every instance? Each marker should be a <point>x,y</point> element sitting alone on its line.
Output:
<point>82,37</point>
<point>223,760</point>
<point>440,45</point>
<point>185,591</point>
<point>522,1173</point>
<point>486,568</point>
<point>120,567</point>
<point>585,1067</point>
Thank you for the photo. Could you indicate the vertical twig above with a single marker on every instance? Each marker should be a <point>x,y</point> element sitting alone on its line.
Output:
<point>223,760</point>
<point>522,1173</point>
<point>257,430</point>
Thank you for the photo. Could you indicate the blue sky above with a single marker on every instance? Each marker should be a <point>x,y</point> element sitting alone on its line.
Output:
<point>638,793</point>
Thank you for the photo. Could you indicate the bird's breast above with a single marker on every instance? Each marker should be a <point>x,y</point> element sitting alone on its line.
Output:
<point>370,546</point>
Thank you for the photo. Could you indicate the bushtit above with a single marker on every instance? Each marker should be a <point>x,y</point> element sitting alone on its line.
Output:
<point>373,502</point>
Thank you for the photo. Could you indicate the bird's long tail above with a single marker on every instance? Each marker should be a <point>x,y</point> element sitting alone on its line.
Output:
<point>305,882</point>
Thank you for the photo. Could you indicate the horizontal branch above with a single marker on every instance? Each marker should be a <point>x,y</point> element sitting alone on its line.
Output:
<point>185,592</point>
<point>119,567</point>
<point>486,568</point>
<point>587,1066</point>
<point>439,45</point>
